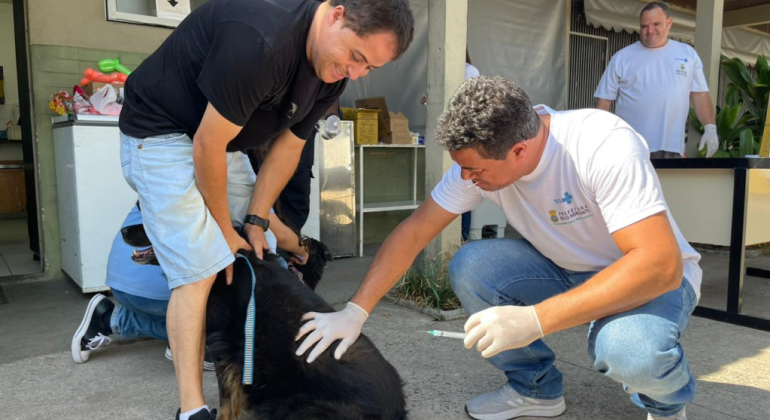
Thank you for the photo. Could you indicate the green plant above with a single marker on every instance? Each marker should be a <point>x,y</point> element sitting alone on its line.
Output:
<point>739,132</point>
<point>428,284</point>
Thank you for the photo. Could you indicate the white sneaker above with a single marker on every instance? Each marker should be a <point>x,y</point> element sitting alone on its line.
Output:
<point>505,403</point>
<point>682,415</point>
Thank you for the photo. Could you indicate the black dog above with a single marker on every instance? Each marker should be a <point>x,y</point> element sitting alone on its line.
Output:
<point>360,386</point>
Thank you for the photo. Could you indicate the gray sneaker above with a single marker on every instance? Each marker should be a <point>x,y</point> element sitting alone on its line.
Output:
<point>505,403</point>
<point>682,415</point>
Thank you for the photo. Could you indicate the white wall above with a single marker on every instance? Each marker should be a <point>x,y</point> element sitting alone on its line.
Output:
<point>8,61</point>
<point>83,24</point>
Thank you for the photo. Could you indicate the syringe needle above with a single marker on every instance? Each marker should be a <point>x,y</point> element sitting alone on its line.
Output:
<point>448,334</point>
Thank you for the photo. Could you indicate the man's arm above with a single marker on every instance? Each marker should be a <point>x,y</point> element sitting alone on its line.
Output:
<point>279,165</point>
<point>286,238</point>
<point>399,251</point>
<point>391,262</point>
<point>210,165</point>
<point>603,104</point>
<point>651,266</point>
<point>704,108</point>
<point>705,111</point>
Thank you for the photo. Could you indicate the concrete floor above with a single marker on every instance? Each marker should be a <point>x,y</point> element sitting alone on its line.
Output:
<point>756,290</point>
<point>131,380</point>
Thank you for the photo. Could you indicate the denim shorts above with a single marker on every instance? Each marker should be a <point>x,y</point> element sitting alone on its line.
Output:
<point>188,242</point>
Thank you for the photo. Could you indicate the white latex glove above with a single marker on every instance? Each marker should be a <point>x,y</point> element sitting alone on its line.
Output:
<point>710,140</point>
<point>330,327</point>
<point>502,328</point>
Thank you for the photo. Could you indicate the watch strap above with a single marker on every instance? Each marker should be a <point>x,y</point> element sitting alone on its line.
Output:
<point>253,219</point>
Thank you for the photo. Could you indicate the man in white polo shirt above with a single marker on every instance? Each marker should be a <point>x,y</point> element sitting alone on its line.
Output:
<point>599,247</point>
<point>654,81</point>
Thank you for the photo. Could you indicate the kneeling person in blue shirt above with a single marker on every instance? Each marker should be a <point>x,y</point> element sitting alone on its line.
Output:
<point>142,296</point>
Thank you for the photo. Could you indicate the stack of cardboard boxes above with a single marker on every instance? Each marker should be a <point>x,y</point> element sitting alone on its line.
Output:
<point>375,124</point>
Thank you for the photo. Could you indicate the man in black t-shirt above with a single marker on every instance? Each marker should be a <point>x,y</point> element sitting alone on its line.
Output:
<point>233,75</point>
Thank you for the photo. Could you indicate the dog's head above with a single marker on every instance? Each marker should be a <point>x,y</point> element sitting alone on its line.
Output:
<point>318,256</point>
<point>135,235</point>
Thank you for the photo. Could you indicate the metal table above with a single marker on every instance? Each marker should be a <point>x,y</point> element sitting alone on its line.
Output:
<point>737,269</point>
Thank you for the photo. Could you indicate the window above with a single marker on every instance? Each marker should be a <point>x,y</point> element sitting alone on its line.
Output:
<point>166,13</point>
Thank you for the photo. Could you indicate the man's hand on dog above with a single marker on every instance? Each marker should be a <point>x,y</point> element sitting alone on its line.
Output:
<point>236,243</point>
<point>326,328</point>
<point>257,239</point>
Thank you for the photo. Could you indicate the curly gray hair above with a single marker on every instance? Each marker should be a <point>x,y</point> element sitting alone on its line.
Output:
<point>489,114</point>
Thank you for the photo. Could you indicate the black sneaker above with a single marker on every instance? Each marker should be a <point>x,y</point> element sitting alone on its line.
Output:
<point>92,332</point>
<point>208,361</point>
<point>200,415</point>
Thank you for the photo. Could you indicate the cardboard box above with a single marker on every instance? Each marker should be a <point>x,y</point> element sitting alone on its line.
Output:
<point>365,122</point>
<point>92,87</point>
<point>392,128</point>
<point>383,117</point>
<point>398,130</point>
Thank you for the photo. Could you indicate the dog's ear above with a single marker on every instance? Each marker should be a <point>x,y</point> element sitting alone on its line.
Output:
<point>319,250</point>
<point>327,255</point>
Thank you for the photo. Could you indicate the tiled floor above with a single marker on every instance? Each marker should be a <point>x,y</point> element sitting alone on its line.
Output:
<point>15,255</point>
<point>16,258</point>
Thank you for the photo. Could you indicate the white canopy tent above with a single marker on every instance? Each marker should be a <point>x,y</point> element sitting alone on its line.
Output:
<point>623,15</point>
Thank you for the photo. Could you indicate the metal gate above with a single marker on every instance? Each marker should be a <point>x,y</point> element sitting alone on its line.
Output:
<point>590,51</point>
<point>588,59</point>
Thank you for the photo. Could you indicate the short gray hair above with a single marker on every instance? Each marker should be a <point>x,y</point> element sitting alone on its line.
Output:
<point>489,114</point>
<point>656,4</point>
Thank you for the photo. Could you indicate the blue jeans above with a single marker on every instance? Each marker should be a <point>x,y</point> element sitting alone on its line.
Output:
<point>137,316</point>
<point>639,348</point>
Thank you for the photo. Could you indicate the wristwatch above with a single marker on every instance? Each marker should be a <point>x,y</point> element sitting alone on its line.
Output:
<point>257,221</point>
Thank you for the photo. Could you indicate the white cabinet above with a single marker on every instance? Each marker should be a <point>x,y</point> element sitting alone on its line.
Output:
<point>364,207</point>
<point>93,197</point>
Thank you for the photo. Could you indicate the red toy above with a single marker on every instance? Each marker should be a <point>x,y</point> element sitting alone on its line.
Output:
<point>91,75</point>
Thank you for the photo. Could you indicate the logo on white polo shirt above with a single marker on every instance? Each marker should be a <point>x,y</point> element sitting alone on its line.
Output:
<point>573,214</point>
<point>554,218</point>
<point>566,217</point>
<point>567,199</point>
<point>680,69</point>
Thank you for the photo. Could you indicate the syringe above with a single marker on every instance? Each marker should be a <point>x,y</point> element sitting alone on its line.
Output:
<point>448,334</point>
